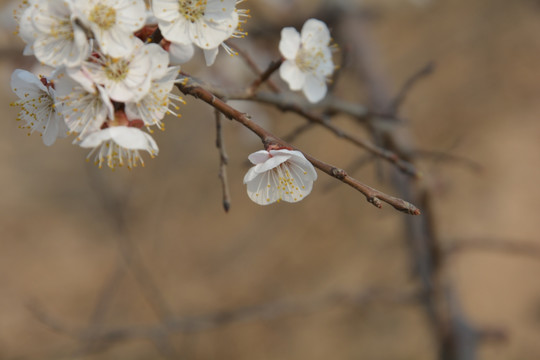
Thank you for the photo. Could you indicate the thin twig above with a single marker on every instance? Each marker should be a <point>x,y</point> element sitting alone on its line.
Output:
<point>272,67</point>
<point>425,71</point>
<point>253,66</point>
<point>223,161</point>
<point>447,157</point>
<point>372,195</point>
<point>293,135</point>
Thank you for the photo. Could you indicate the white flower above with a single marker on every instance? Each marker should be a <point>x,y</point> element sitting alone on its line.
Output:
<point>37,103</point>
<point>118,146</point>
<point>204,23</point>
<point>153,107</point>
<point>58,39</point>
<point>279,175</point>
<point>113,23</point>
<point>84,108</point>
<point>125,78</point>
<point>308,59</point>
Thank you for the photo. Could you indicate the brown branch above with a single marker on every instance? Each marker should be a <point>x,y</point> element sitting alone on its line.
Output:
<point>223,161</point>
<point>286,105</point>
<point>372,195</point>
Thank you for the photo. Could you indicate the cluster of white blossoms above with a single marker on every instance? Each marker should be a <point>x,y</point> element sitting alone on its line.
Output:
<point>115,63</point>
<point>108,80</point>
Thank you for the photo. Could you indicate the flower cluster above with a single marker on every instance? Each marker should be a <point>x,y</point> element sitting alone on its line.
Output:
<point>109,81</point>
<point>115,64</point>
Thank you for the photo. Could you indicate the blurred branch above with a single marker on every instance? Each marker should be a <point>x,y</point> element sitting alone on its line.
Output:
<point>267,311</point>
<point>447,157</point>
<point>299,130</point>
<point>263,77</point>
<point>503,246</point>
<point>408,86</point>
<point>372,195</point>
<point>284,104</point>
<point>223,160</point>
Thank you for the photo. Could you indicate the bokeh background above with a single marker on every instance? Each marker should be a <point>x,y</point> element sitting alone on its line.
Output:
<point>67,227</point>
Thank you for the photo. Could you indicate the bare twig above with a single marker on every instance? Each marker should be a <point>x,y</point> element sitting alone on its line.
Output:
<point>293,135</point>
<point>372,195</point>
<point>251,64</point>
<point>425,71</point>
<point>447,157</point>
<point>223,160</point>
<point>272,67</point>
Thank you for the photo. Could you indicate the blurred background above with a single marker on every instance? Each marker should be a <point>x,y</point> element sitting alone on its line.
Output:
<point>145,264</point>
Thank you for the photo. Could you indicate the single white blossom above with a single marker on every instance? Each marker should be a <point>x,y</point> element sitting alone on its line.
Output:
<point>58,40</point>
<point>85,109</point>
<point>119,146</point>
<point>113,23</point>
<point>203,23</point>
<point>37,103</point>
<point>279,175</point>
<point>126,78</point>
<point>308,59</point>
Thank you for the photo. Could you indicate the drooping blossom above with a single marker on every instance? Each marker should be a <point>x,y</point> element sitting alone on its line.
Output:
<point>308,59</point>
<point>119,146</point>
<point>37,103</point>
<point>279,175</point>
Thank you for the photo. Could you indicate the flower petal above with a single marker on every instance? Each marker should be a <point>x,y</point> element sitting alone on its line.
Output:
<point>180,53</point>
<point>314,89</point>
<point>315,34</point>
<point>290,73</point>
<point>289,43</point>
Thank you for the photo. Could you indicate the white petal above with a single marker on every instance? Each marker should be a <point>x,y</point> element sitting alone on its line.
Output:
<point>271,163</point>
<point>259,157</point>
<point>297,186</point>
<point>180,53</point>
<point>314,89</point>
<point>290,73</point>
<point>289,43</point>
<point>263,188</point>
<point>308,171</point>
<point>166,10</point>
<point>24,82</point>
<point>315,33</point>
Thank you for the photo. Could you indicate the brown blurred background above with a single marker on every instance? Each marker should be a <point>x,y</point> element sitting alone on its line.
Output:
<point>65,224</point>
